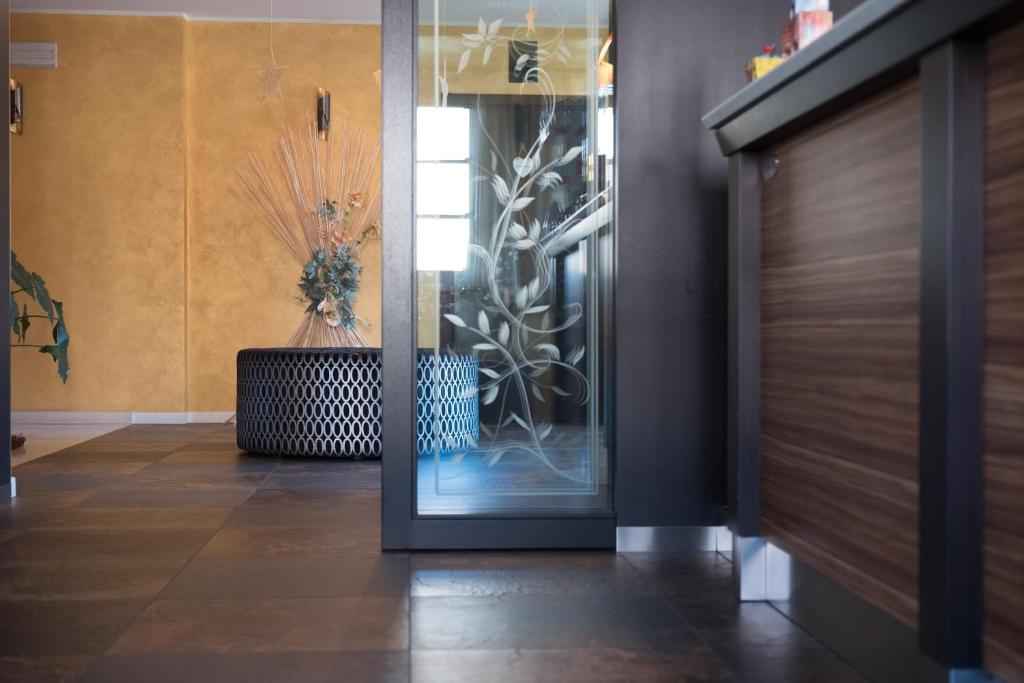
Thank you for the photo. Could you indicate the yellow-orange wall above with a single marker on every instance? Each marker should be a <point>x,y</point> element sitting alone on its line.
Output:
<point>242,282</point>
<point>125,198</point>
<point>568,79</point>
<point>98,209</point>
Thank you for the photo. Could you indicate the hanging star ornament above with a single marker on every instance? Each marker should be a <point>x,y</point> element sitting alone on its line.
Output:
<point>271,79</point>
<point>531,20</point>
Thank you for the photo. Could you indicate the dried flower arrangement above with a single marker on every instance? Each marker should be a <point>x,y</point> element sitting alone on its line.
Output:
<point>322,198</point>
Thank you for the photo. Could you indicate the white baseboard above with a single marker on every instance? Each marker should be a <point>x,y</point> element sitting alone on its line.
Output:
<point>159,418</point>
<point>213,417</point>
<point>46,417</point>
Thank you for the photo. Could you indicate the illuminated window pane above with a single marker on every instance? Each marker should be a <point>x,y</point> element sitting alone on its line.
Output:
<point>442,133</point>
<point>442,243</point>
<point>442,189</point>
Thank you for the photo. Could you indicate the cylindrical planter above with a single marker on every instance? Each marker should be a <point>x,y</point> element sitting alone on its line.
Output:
<point>327,402</point>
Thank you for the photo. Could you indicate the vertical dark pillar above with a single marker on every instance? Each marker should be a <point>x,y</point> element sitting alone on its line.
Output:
<point>5,270</point>
<point>952,340</point>
<point>676,61</point>
<point>398,59</point>
<point>743,420</point>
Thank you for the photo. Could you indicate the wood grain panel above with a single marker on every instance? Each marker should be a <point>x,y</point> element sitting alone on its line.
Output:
<point>840,324</point>
<point>1004,356</point>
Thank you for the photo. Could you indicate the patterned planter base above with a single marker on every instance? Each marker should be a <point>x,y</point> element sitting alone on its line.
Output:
<point>327,402</point>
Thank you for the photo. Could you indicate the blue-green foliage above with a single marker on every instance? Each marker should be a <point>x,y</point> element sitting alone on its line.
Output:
<point>335,277</point>
<point>33,286</point>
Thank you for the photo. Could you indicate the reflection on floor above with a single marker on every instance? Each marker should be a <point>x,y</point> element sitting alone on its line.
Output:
<point>43,439</point>
<point>161,553</point>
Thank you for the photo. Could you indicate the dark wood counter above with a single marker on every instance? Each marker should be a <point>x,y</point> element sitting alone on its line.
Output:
<point>876,323</point>
<point>1004,355</point>
<point>839,335</point>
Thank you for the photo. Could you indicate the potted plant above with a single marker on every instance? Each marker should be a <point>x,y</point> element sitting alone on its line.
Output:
<point>32,286</point>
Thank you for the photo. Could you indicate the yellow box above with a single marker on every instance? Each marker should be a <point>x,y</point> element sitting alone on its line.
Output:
<point>762,64</point>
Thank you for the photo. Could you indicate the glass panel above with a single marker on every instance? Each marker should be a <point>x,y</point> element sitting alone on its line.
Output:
<point>515,143</point>
<point>443,189</point>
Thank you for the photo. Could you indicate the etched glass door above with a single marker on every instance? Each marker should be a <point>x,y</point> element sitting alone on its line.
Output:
<point>514,257</point>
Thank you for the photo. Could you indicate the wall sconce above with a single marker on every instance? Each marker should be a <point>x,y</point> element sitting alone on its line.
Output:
<point>323,113</point>
<point>16,110</point>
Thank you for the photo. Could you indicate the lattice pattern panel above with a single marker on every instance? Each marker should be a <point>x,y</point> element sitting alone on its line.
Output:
<point>327,402</point>
<point>450,383</point>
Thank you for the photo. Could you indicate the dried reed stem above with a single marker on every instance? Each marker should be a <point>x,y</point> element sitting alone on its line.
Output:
<point>294,194</point>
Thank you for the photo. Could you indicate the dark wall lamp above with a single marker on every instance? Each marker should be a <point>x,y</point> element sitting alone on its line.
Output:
<point>16,111</point>
<point>323,113</point>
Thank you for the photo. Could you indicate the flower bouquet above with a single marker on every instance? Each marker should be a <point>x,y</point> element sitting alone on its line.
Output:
<point>322,199</point>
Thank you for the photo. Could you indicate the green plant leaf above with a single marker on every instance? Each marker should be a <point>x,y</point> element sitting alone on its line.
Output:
<point>21,276</point>
<point>43,296</point>
<point>34,286</point>
<point>15,321</point>
<point>23,322</point>
<point>59,349</point>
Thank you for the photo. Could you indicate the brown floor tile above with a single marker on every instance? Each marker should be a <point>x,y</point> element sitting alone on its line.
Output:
<point>22,518</point>
<point>269,625</point>
<point>771,664</point>
<point>285,667</point>
<point>329,466</point>
<point>567,666</point>
<point>110,544</point>
<point>726,621</point>
<point>71,467</point>
<point>694,573</point>
<point>186,433</point>
<point>259,544</point>
<point>117,518</point>
<point>119,579</point>
<point>269,569</point>
<point>44,669</point>
<point>111,445</point>
<point>332,475</point>
<point>197,471</point>
<point>154,495</point>
<point>212,445</point>
<point>42,475</point>
<point>481,574</point>
<point>345,500</point>
<point>197,477</point>
<point>359,481</point>
<point>549,622</point>
<point>105,455</point>
<point>294,577</point>
<point>30,483</point>
<point>354,512</point>
<point>39,500</point>
<point>218,456</point>
<point>30,628</point>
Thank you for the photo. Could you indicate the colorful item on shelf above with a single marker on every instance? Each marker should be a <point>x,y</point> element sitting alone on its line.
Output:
<point>788,39</point>
<point>763,63</point>
<point>803,29</point>
<point>809,6</point>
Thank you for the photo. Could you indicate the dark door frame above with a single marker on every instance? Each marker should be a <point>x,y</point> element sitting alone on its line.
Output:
<point>5,269</point>
<point>402,528</point>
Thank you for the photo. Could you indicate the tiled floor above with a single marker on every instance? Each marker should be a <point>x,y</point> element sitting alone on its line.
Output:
<point>43,439</point>
<point>161,553</point>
